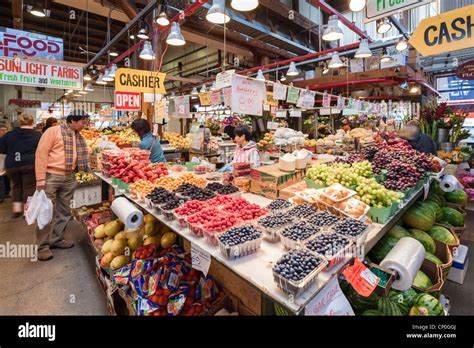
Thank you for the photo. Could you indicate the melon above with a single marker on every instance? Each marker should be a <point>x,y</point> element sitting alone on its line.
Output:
<point>422,281</point>
<point>433,258</point>
<point>135,242</point>
<point>168,240</point>
<point>456,197</point>
<point>425,304</point>
<point>106,260</point>
<point>453,217</point>
<point>436,208</point>
<point>443,235</point>
<point>99,232</point>
<point>425,239</point>
<point>406,297</point>
<point>419,218</point>
<point>106,246</point>
<point>119,261</point>
<point>112,228</point>
<point>372,313</point>
<point>118,247</point>
<point>151,228</point>
<point>386,306</point>
<point>398,232</point>
<point>382,248</point>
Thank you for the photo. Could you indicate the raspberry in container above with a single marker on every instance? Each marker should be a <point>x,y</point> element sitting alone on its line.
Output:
<point>332,246</point>
<point>197,220</point>
<point>295,235</point>
<point>296,270</point>
<point>219,201</point>
<point>213,229</point>
<point>272,224</point>
<point>240,241</point>
<point>189,208</point>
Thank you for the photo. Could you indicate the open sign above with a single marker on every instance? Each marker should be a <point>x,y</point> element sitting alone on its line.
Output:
<point>130,101</point>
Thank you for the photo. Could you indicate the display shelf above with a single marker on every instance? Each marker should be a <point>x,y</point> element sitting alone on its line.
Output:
<point>256,268</point>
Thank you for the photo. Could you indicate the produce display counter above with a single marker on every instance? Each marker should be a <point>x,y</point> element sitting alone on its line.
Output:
<point>256,269</point>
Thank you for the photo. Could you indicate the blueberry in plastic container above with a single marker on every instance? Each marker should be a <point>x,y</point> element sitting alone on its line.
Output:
<point>300,231</point>
<point>324,219</point>
<point>279,204</point>
<point>327,244</point>
<point>296,264</point>
<point>303,211</point>
<point>350,227</point>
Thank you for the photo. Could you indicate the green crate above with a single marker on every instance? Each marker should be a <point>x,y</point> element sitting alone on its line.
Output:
<point>312,184</point>
<point>190,165</point>
<point>394,207</point>
<point>380,215</point>
<point>115,181</point>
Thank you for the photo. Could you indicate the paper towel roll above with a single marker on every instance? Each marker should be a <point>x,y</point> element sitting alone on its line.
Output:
<point>449,183</point>
<point>127,212</point>
<point>405,260</point>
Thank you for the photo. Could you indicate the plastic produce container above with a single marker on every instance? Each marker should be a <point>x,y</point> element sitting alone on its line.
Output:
<point>380,215</point>
<point>289,243</point>
<point>335,258</point>
<point>271,234</point>
<point>236,251</point>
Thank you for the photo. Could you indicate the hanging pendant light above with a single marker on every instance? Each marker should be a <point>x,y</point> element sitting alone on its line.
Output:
<point>402,45</point>
<point>89,88</point>
<point>147,51</point>
<point>333,31</point>
<point>404,85</point>
<point>244,5</point>
<point>414,89</point>
<point>292,71</point>
<point>162,19</point>
<point>113,70</point>
<point>203,88</point>
<point>383,26</point>
<point>143,32</point>
<point>37,11</point>
<point>325,68</point>
<point>194,91</point>
<point>357,5</point>
<point>83,91</point>
<point>283,78</point>
<point>217,13</point>
<point>260,76</point>
<point>386,58</point>
<point>87,77</point>
<point>175,38</point>
<point>335,62</point>
<point>100,80</point>
<point>113,54</point>
<point>364,50</point>
<point>213,86</point>
<point>106,76</point>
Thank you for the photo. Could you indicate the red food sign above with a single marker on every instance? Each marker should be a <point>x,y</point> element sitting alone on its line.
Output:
<point>466,71</point>
<point>130,101</point>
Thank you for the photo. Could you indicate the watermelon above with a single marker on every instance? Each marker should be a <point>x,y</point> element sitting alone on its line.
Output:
<point>425,207</point>
<point>372,313</point>
<point>436,189</point>
<point>438,199</point>
<point>453,216</point>
<point>406,297</point>
<point>398,232</point>
<point>456,197</point>
<point>433,258</point>
<point>425,304</point>
<point>388,307</point>
<point>419,218</point>
<point>422,281</point>
<point>443,235</point>
<point>436,208</point>
<point>360,303</point>
<point>382,248</point>
<point>425,239</point>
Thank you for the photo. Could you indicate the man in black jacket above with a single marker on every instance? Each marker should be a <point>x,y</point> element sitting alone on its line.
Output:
<point>419,141</point>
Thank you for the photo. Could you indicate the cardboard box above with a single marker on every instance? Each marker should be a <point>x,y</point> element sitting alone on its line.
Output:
<point>269,180</point>
<point>434,273</point>
<point>289,191</point>
<point>458,270</point>
<point>444,254</point>
<point>87,195</point>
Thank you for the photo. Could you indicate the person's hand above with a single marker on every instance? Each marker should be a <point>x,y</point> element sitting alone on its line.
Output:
<point>40,186</point>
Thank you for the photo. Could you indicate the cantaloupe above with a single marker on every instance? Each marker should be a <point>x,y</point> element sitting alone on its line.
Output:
<point>118,246</point>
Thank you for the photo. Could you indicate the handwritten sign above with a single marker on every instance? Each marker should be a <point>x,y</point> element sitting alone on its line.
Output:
<point>306,99</point>
<point>326,100</point>
<point>215,98</point>
<point>224,79</point>
<point>281,113</point>
<point>295,113</point>
<point>270,100</point>
<point>201,260</point>
<point>361,278</point>
<point>341,101</point>
<point>293,95</point>
<point>204,99</point>
<point>329,301</point>
<point>279,91</point>
<point>160,110</point>
<point>226,94</point>
<point>248,96</point>
<point>181,106</point>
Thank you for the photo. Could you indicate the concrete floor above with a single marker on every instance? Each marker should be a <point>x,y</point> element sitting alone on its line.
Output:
<point>67,285</point>
<point>64,285</point>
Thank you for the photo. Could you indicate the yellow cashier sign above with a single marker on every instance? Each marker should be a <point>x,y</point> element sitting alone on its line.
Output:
<point>132,80</point>
<point>449,31</point>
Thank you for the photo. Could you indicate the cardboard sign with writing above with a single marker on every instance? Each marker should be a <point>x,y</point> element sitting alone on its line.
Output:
<point>341,102</point>
<point>200,259</point>
<point>215,98</point>
<point>361,278</point>
<point>226,94</point>
<point>306,99</point>
<point>329,301</point>
<point>326,100</point>
<point>144,81</point>
<point>182,107</point>
<point>293,95</point>
<point>279,91</point>
<point>224,79</point>
<point>270,100</point>
<point>160,110</point>
<point>281,113</point>
<point>205,99</point>
<point>129,101</point>
<point>248,96</point>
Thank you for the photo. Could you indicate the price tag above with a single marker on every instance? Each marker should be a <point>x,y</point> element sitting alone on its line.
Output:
<point>326,100</point>
<point>281,113</point>
<point>341,101</point>
<point>272,125</point>
<point>295,113</point>
<point>361,278</point>
<point>201,260</point>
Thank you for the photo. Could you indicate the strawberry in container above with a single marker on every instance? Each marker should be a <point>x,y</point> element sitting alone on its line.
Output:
<point>219,200</point>
<point>196,221</point>
<point>251,212</point>
<point>189,208</point>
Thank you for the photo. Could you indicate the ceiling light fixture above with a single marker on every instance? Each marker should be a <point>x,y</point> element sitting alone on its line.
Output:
<point>333,31</point>
<point>203,88</point>
<point>175,38</point>
<point>325,68</point>
<point>244,5</point>
<point>283,78</point>
<point>414,89</point>
<point>402,45</point>
<point>292,71</point>
<point>87,77</point>
<point>363,50</point>
<point>217,13</point>
<point>386,58</point>
<point>107,76</point>
<point>143,32</point>
<point>357,5</point>
<point>113,54</point>
<point>162,19</point>
<point>37,11</point>
<point>147,51</point>
<point>383,26</point>
<point>335,62</point>
<point>100,80</point>
<point>89,88</point>
<point>194,91</point>
<point>260,76</point>
<point>132,37</point>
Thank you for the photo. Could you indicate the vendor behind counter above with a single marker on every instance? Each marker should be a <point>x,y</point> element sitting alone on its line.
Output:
<point>148,140</point>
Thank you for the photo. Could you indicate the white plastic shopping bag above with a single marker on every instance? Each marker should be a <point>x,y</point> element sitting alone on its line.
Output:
<point>40,209</point>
